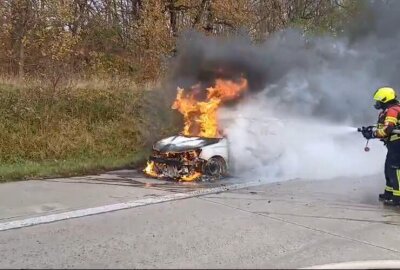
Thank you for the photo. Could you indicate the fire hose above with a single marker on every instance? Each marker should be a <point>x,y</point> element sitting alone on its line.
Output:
<point>373,129</point>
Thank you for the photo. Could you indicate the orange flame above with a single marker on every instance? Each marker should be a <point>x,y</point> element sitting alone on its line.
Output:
<point>191,177</point>
<point>200,117</point>
<point>149,170</point>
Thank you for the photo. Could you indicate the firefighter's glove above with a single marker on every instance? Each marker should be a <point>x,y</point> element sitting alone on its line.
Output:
<point>368,133</point>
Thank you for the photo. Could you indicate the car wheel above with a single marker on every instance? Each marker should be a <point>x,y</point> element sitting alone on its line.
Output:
<point>215,167</point>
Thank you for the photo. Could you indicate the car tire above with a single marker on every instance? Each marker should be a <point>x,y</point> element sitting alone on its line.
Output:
<point>215,167</point>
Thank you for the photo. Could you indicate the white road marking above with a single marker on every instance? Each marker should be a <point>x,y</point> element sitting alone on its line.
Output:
<point>380,264</point>
<point>119,206</point>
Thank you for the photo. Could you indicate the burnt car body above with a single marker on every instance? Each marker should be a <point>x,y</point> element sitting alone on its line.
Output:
<point>178,157</point>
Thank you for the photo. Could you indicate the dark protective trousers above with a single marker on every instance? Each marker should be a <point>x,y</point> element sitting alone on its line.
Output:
<point>392,169</point>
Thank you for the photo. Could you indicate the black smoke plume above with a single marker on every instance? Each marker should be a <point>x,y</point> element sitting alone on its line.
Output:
<point>332,78</point>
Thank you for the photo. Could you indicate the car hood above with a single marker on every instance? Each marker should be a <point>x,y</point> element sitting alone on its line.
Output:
<point>182,143</point>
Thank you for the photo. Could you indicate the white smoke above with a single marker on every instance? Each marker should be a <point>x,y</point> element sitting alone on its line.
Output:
<point>303,125</point>
<point>268,144</point>
<point>305,94</point>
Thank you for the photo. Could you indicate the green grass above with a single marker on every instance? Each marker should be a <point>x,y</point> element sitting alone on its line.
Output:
<point>64,168</point>
<point>77,128</point>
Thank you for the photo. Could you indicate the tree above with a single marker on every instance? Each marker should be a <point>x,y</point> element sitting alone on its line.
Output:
<point>53,38</point>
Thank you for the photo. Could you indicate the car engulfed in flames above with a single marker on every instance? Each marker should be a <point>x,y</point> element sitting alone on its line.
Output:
<point>202,148</point>
<point>189,158</point>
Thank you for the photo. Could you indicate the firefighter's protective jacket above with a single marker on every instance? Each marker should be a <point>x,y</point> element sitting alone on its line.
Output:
<point>388,120</point>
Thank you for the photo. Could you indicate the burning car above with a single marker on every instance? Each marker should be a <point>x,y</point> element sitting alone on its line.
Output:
<point>188,158</point>
<point>202,149</point>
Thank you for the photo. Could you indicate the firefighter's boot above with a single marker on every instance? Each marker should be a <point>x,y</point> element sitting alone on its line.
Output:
<point>394,201</point>
<point>386,196</point>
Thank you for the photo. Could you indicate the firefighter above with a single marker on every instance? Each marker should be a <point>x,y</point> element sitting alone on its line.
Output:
<point>389,119</point>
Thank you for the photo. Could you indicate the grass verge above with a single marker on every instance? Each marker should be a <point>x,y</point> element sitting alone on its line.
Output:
<point>78,128</point>
<point>65,168</point>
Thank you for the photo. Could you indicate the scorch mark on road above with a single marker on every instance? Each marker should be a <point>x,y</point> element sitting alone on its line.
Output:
<point>119,206</point>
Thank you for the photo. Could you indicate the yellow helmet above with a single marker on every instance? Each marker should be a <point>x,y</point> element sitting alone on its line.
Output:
<point>385,94</point>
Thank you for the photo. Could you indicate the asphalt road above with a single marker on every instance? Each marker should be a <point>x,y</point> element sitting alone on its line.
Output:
<point>291,224</point>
